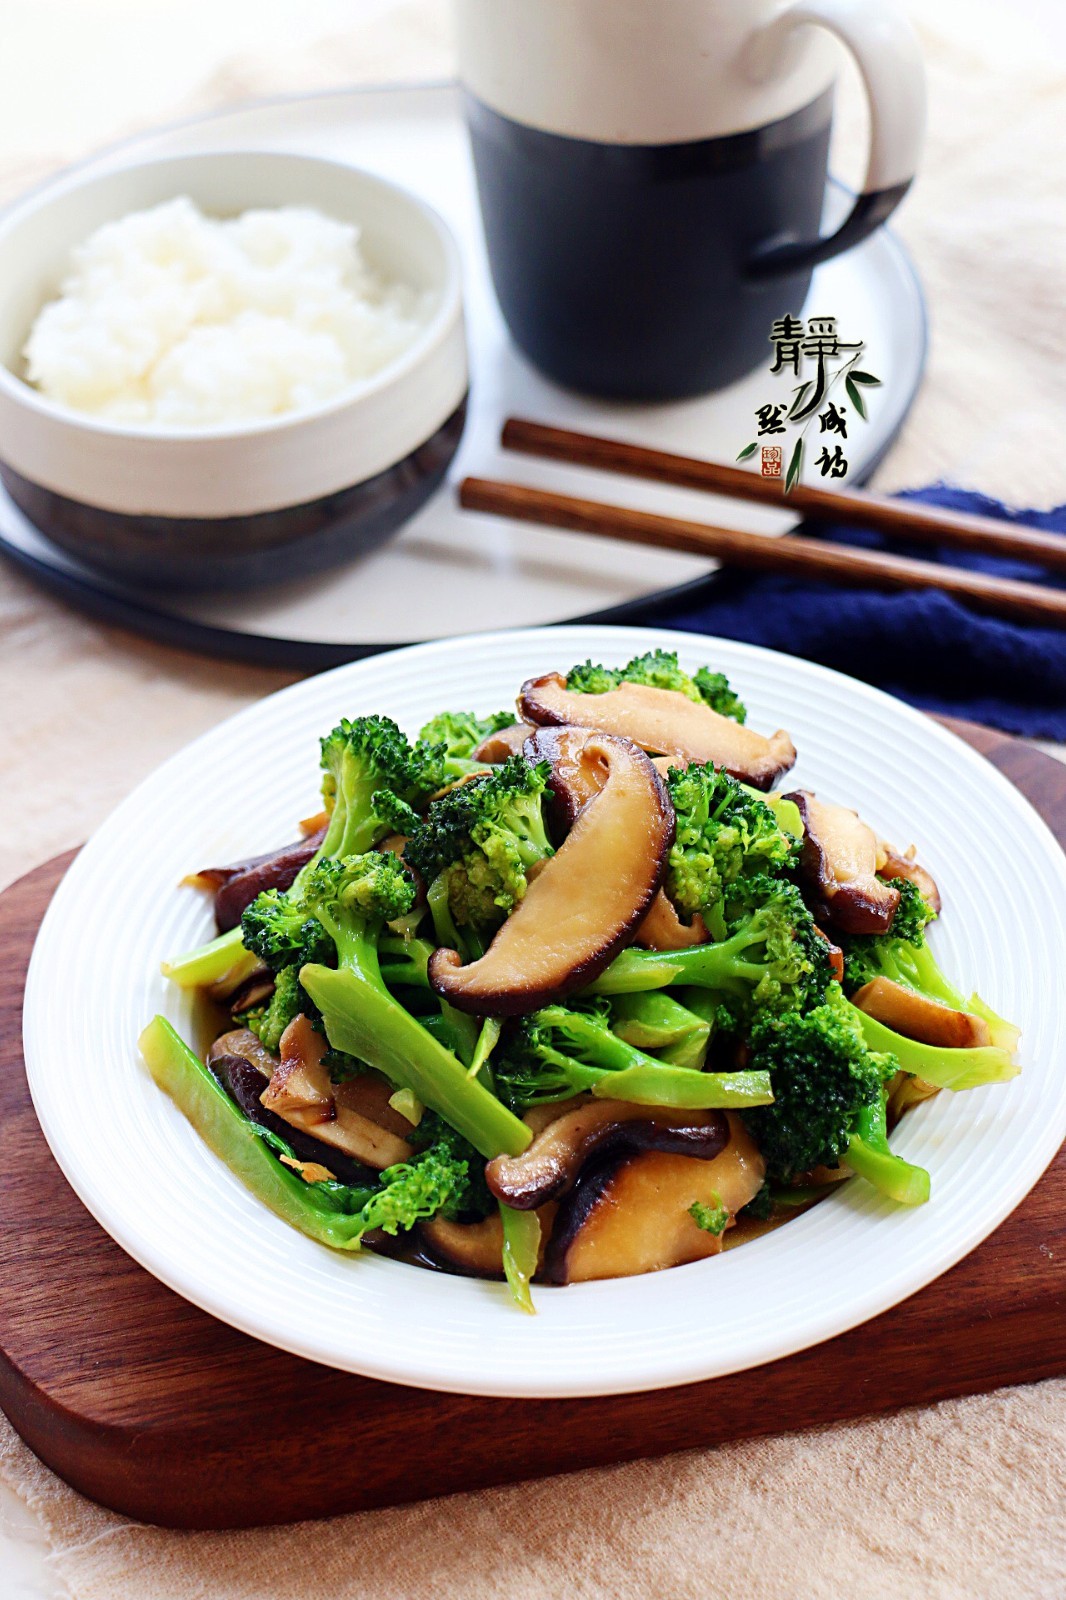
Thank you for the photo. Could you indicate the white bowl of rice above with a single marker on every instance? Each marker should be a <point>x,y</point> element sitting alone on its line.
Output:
<point>229,368</point>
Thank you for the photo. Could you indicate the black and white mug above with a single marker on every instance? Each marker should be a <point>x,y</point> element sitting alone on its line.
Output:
<point>652,173</point>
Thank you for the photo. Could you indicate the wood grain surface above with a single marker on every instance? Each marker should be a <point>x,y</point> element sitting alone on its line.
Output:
<point>154,1408</point>
<point>902,519</point>
<point>754,552</point>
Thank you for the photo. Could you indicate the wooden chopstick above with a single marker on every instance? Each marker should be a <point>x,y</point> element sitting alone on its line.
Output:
<point>835,563</point>
<point>904,519</point>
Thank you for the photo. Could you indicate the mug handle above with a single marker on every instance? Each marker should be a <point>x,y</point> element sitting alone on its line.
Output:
<point>886,50</point>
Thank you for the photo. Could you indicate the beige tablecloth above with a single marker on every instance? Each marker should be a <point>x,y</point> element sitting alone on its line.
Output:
<point>959,1500</point>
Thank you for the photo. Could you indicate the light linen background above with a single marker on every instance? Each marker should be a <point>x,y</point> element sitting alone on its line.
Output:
<point>954,1502</point>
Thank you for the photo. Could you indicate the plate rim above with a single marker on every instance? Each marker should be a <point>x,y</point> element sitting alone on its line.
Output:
<point>135,611</point>
<point>1040,1152</point>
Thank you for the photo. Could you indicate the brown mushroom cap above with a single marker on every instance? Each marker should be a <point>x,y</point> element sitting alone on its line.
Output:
<point>238,885</point>
<point>578,773</point>
<point>839,862</point>
<point>915,1016</point>
<point>663,721</point>
<point>575,779</point>
<point>632,1215</point>
<point>496,747</point>
<point>550,1166</point>
<point>582,906</point>
<point>243,1045</point>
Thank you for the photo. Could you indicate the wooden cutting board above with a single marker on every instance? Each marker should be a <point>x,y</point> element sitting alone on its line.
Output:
<point>152,1407</point>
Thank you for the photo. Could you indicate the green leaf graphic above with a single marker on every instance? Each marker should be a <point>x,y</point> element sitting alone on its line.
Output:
<point>795,462</point>
<point>865,377</point>
<point>748,450</point>
<point>801,395</point>
<point>855,395</point>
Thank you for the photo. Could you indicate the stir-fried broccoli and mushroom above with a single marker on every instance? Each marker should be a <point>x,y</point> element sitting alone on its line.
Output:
<point>565,993</point>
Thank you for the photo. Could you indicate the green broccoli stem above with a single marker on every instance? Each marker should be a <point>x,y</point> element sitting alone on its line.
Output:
<point>331,1213</point>
<point>915,966</point>
<point>615,1070</point>
<point>521,1253</point>
<point>362,1019</point>
<point>948,1067</point>
<point>655,1083</point>
<point>656,1021</point>
<point>724,967</point>
<point>868,1154</point>
<point>405,961</point>
<point>221,961</point>
<point>445,929</point>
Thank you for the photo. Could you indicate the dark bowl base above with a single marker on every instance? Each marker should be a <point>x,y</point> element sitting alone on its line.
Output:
<point>269,547</point>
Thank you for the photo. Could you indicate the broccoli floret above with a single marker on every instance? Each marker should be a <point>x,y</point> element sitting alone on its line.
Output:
<point>288,1000</point>
<point>432,1182</point>
<point>279,929</point>
<point>368,764</point>
<point>591,678</point>
<point>347,896</point>
<point>724,832</point>
<point>560,1051</point>
<point>913,913</point>
<point>460,732</point>
<point>394,814</point>
<point>772,958</point>
<point>659,669</point>
<point>715,689</point>
<point>871,955</point>
<point>475,1198</point>
<point>712,1219</point>
<point>479,840</point>
<point>362,758</point>
<point>829,1099</point>
<point>353,899</point>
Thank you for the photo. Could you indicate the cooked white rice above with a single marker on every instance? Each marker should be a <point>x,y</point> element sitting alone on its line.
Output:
<point>171,318</point>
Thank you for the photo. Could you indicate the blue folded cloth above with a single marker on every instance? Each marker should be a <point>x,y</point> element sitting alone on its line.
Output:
<point>923,646</point>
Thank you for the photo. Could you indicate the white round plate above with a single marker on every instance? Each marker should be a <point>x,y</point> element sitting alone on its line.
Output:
<point>144,1174</point>
<point>450,571</point>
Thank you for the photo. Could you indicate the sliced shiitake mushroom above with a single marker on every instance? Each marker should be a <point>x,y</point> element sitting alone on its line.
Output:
<point>915,1016</point>
<point>662,928</point>
<point>244,1067</point>
<point>575,779</point>
<point>473,1247</point>
<point>495,748</point>
<point>236,886</point>
<point>550,1166</point>
<point>663,721</point>
<point>300,1092</point>
<point>632,1215</point>
<point>578,773</point>
<point>893,865</point>
<point>476,1248</point>
<point>838,865</point>
<point>585,903</point>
